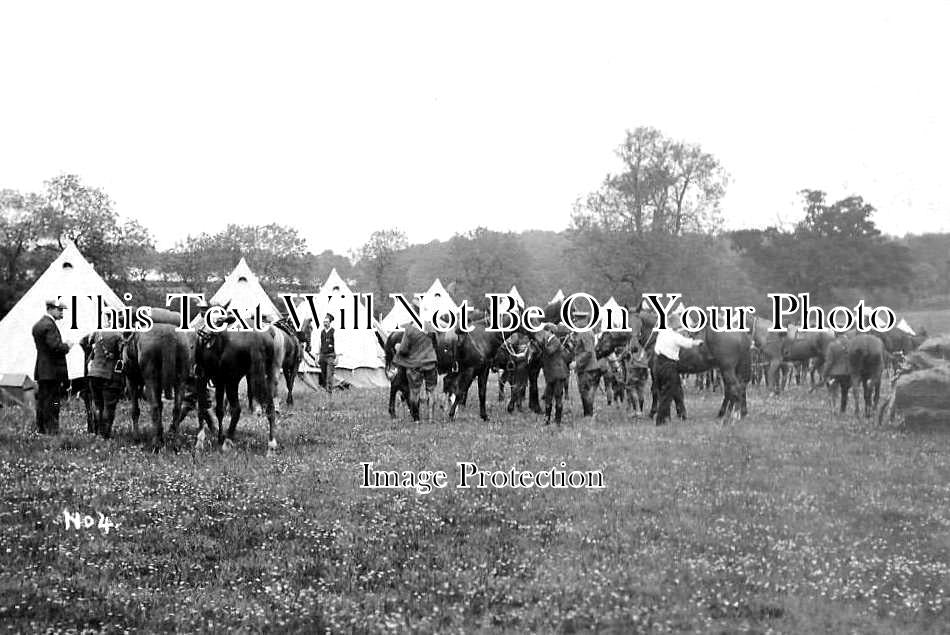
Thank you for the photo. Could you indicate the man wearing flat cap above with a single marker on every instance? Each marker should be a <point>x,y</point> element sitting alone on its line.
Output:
<point>50,373</point>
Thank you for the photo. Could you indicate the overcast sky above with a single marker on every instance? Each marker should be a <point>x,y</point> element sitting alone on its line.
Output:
<point>341,118</point>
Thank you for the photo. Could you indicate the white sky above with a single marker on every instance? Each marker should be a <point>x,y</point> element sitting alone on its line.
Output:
<point>341,118</point>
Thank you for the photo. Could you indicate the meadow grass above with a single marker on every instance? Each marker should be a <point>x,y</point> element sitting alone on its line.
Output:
<point>793,520</point>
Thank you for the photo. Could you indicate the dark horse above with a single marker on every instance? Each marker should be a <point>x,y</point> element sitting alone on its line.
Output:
<point>519,359</point>
<point>445,345</point>
<point>777,348</point>
<point>289,348</point>
<point>476,354</point>
<point>226,357</point>
<point>853,362</point>
<point>632,357</point>
<point>731,354</point>
<point>158,361</point>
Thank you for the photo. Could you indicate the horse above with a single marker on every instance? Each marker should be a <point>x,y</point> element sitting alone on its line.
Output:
<point>633,360</point>
<point>731,354</point>
<point>776,348</point>
<point>158,362</point>
<point>225,358</point>
<point>289,347</point>
<point>856,361</point>
<point>520,359</point>
<point>612,373</point>
<point>445,351</point>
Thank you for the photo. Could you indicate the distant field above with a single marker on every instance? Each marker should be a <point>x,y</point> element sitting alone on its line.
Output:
<point>936,321</point>
<point>794,520</point>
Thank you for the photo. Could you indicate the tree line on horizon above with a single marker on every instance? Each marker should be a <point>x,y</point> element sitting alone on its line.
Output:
<point>654,226</point>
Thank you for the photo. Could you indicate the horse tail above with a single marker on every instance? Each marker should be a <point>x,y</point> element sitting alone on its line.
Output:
<point>744,366</point>
<point>169,363</point>
<point>257,383</point>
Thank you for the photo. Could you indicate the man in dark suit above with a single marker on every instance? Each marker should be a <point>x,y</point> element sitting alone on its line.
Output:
<point>50,372</point>
<point>327,359</point>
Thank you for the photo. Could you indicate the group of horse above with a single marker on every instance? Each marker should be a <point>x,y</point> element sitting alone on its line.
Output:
<point>165,362</point>
<point>843,361</point>
<point>625,356</point>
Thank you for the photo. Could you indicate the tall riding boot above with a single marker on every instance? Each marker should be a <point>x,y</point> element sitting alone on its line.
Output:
<point>547,415</point>
<point>557,414</point>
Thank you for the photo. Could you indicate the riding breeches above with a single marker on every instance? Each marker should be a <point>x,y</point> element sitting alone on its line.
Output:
<point>416,376</point>
<point>105,397</point>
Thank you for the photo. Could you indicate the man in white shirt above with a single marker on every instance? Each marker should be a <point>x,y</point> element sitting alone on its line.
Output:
<point>669,341</point>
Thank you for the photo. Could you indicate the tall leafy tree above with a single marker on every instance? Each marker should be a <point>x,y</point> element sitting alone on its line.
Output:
<point>628,231</point>
<point>379,262</point>
<point>484,261</point>
<point>836,252</point>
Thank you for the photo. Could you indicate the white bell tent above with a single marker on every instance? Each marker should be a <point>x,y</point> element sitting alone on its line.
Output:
<point>359,357</point>
<point>69,276</point>
<point>243,291</point>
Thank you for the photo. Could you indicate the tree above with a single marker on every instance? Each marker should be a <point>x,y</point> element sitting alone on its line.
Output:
<point>629,231</point>
<point>379,261</point>
<point>835,253</point>
<point>275,252</point>
<point>483,261</point>
<point>119,249</point>
<point>20,262</point>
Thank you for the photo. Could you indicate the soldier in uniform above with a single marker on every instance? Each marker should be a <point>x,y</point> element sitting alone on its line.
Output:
<point>555,358</point>
<point>586,366</point>
<point>106,378</point>
<point>50,372</point>
<point>416,355</point>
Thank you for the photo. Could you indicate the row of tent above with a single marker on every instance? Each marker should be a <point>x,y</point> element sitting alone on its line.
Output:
<point>359,356</point>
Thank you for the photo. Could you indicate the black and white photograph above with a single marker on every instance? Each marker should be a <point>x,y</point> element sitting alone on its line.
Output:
<point>434,317</point>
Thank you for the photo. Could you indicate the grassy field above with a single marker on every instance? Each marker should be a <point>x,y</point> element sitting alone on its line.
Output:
<point>793,520</point>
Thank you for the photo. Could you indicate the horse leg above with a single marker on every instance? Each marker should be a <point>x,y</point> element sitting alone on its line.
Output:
<point>729,382</point>
<point>219,408</point>
<point>462,382</point>
<point>501,386</point>
<point>534,403</point>
<point>271,411</point>
<point>178,395</point>
<point>771,374</point>
<point>482,389</point>
<point>155,405</point>
<point>135,411</point>
<point>654,394</point>
<point>234,406</point>
<point>393,389</point>
<point>290,376</point>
